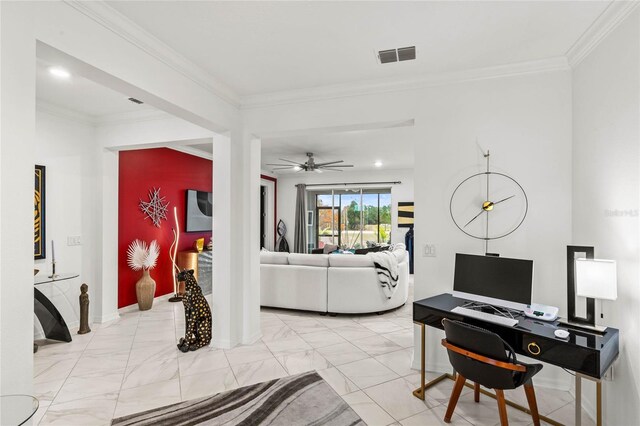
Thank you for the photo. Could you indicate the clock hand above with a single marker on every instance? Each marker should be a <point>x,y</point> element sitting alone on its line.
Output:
<point>504,199</point>
<point>474,218</point>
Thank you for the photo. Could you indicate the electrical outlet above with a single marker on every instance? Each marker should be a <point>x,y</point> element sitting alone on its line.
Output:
<point>608,375</point>
<point>74,240</point>
<point>429,250</point>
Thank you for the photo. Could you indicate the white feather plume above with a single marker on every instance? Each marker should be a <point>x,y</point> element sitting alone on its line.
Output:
<point>137,255</point>
<point>152,255</point>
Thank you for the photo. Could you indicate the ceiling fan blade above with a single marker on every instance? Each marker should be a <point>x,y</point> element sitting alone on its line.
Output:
<point>338,165</point>
<point>329,162</point>
<point>279,165</point>
<point>292,162</point>
<point>284,168</point>
<point>332,170</point>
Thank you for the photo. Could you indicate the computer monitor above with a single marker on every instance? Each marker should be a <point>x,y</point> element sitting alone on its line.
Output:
<point>497,281</point>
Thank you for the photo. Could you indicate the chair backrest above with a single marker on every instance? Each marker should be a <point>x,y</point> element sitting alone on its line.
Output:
<point>484,343</point>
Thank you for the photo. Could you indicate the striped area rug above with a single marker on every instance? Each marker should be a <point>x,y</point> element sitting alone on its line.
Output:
<point>304,399</point>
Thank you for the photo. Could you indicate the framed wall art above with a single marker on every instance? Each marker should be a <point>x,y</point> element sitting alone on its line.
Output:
<point>405,214</point>
<point>39,199</point>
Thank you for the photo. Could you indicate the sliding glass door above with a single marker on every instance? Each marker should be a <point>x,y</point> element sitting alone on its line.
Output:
<point>353,218</point>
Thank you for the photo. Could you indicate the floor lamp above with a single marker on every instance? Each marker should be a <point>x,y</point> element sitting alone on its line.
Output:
<point>173,250</point>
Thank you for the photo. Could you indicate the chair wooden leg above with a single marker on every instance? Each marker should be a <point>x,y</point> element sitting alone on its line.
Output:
<point>476,392</point>
<point>502,407</point>
<point>455,394</point>
<point>533,405</point>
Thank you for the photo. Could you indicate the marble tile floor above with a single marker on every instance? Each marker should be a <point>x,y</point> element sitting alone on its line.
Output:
<point>132,365</point>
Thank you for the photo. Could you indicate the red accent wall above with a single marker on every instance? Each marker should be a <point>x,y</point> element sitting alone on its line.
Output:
<point>173,172</point>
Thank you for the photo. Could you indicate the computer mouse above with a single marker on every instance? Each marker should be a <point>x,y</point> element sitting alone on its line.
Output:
<point>561,334</point>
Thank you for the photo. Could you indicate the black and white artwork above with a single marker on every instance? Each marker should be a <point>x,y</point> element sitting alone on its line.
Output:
<point>199,211</point>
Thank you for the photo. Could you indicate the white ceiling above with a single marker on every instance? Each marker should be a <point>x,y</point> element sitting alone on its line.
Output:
<point>81,95</point>
<point>269,46</point>
<point>393,146</point>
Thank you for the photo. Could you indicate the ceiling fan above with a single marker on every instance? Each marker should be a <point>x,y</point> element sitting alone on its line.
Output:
<point>310,165</point>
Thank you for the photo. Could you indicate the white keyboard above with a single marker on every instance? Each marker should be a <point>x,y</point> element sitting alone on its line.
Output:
<point>496,319</point>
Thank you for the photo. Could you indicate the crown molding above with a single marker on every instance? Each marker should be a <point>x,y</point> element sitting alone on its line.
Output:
<point>119,24</point>
<point>609,19</point>
<point>132,117</point>
<point>395,85</point>
<point>192,151</point>
<point>66,113</point>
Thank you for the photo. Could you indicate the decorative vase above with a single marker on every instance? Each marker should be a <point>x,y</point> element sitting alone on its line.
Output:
<point>145,290</point>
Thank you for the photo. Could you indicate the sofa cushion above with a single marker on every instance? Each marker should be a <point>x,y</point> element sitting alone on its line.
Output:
<point>346,261</point>
<point>274,258</point>
<point>321,260</point>
<point>401,254</point>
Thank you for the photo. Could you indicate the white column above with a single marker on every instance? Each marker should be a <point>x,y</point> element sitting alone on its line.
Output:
<point>106,289</point>
<point>17,142</point>
<point>236,239</point>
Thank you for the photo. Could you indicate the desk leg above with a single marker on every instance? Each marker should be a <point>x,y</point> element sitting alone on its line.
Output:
<point>599,403</point>
<point>579,378</point>
<point>578,415</point>
<point>419,393</point>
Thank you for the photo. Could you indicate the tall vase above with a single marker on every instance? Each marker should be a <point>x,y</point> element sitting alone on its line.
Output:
<point>145,290</point>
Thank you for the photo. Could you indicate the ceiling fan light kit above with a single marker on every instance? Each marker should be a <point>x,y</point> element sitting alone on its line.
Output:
<point>310,165</point>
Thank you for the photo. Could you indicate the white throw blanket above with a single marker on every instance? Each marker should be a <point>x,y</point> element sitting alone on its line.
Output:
<point>386,265</point>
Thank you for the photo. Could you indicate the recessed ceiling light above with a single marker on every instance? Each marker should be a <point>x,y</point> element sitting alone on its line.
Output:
<point>378,163</point>
<point>59,72</point>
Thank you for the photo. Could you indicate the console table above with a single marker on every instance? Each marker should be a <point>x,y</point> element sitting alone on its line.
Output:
<point>202,265</point>
<point>590,355</point>
<point>54,326</point>
<point>17,409</point>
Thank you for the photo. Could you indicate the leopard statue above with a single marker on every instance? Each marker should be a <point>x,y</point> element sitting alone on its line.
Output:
<point>197,314</point>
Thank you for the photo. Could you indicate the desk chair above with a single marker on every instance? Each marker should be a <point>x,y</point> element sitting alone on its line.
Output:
<point>484,358</point>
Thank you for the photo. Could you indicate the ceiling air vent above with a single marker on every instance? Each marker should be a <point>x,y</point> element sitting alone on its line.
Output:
<point>387,56</point>
<point>395,55</point>
<point>136,101</point>
<point>406,53</point>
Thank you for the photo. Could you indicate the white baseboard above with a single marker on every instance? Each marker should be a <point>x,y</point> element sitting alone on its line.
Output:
<point>220,344</point>
<point>107,317</point>
<point>134,307</point>
<point>252,339</point>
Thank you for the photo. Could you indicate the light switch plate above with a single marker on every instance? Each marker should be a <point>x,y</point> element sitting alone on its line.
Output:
<point>74,240</point>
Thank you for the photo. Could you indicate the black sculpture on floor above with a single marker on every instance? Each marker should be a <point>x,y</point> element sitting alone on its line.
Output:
<point>84,310</point>
<point>197,314</point>
<point>282,244</point>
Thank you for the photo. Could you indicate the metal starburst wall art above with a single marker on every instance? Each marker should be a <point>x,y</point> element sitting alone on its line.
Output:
<point>156,208</point>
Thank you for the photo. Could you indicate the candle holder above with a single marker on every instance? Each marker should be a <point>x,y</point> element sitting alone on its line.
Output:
<point>53,270</point>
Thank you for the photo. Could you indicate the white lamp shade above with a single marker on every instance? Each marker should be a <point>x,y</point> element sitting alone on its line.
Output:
<point>596,278</point>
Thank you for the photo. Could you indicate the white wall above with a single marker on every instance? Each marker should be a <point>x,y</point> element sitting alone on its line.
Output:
<point>606,178</point>
<point>525,120</point>
<point>65,147</point>
<point>17,124</point>
<point>401,192</point>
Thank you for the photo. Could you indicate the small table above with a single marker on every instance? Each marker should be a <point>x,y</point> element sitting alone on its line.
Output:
<point>17,409</point>
<point>53,324</point>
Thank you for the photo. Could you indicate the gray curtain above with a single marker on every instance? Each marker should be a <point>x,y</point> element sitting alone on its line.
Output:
<point>300,235</point>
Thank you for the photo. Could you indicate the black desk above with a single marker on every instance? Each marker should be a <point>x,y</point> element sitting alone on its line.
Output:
<point>589,355</point>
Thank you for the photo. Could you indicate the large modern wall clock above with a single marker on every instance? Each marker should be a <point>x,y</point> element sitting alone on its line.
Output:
<point>488,205</point>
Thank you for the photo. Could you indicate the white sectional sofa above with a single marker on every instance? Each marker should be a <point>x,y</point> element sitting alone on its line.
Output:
<point>334,283</point>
